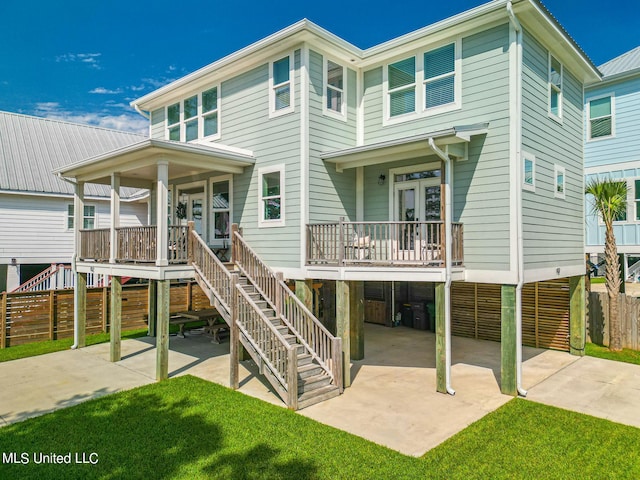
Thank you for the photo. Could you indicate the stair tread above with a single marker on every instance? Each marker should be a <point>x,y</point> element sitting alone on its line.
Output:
<point>307,367</point>
<point>316,396</point>
<point>321,377</point>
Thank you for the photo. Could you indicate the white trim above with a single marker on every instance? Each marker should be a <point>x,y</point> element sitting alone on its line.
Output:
<point>550,273</point>
<point>380,274</point>
<point>153,272</point>
<point>272,100</point>
<point>291,273</point>
<point>359,107</point>
<point>588,101</point>
<point>421,167</point>
<point>526,156</point>
<point>93,198</point>
<point>556,170</point>
<point>280,222</point>
<point>612,167</point>
<point>199,117</point>
<point>551,86</point>
<point>342,114</point>
<point>212,211</point>
<point>504,277</point>
<point>304,150</point>
<point>85,205</point>
<point>419,84</point>
<point>360,194</point>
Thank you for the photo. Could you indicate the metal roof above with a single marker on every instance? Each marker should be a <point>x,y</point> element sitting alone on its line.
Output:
<point>624,63</point>
<point>32,147</point>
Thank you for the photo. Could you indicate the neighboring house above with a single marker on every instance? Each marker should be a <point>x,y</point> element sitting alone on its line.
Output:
<point>443,167</point>
<point>612,149</point>
<point>36,207</point>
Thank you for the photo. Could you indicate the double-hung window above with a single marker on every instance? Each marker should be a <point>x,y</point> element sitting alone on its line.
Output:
<point>439,76</point>
<point>555,87</point>
<point>401,80</point>
<point>281,95</point>
<point>221,206</point>
<point>194,117</point>
<point>600,117</point>
<point>271,195</point>
<point>334,89</point>
<point>88,219</point>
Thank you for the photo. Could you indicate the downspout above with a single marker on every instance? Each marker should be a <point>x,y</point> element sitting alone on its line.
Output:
<point>448,199</point>
<point>520,243</point>
<point>76,333</point>
<point>144,114</point>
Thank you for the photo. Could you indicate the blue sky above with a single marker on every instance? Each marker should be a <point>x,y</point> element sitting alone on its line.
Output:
<point>84,61</point>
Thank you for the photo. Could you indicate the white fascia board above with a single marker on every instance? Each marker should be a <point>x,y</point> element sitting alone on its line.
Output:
<point>552,273</point>
<point>612,167</point>
<point>93,198</point>
<point>618,77</point>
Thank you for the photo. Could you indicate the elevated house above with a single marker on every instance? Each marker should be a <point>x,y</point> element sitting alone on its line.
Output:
<point>36,207</point>
<point>434,180</point>
<point>612,150</point>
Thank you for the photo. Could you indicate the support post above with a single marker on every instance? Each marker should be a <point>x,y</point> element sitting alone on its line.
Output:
<point>577,315</point>
<point>152,308</point>
<point>356,316</point>
<point>162,227</point>
<point>115,217</point>
<point>80,293</point>
<point>116,318</point>
<point>508,365</point>
<point>343,322</point>
<point>441,360</point>
<point>162,338</point>
<point>304,292</point>
<point>234,338</point>
<point>3,321</point>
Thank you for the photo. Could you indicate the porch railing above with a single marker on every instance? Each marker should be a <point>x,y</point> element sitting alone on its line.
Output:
<point>382,243</point>
<point>135,244</point>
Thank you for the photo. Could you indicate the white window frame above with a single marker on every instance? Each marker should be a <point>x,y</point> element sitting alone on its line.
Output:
<point>280,222</point>
<point>272,88</point>
<point>387,93</point>
<point>200,115</point>
<point>532,158</point>
<point>72,217</point>
<point>552,86</point>
<point>556,170</point>
<point>613,117</point>
<point>212,236</point>
<point>420,84</point>
<point>342,114</point>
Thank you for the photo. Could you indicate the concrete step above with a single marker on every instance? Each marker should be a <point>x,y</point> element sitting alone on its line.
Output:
<point>316,396</point>
<point>314,382</point>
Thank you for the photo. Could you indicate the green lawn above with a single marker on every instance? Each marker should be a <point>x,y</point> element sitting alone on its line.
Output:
<point>189,428</point>
<point>626,355</point>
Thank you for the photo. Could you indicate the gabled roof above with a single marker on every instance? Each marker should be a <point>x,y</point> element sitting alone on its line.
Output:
<point>625,63</point>
<point>32,147</point>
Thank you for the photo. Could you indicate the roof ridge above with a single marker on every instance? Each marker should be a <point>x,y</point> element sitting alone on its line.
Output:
<point>67,122</point>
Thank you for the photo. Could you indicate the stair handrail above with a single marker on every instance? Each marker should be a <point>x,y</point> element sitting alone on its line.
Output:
<point>39,279</point>
<point>211,269</point>
<point>273,289</point>
<point>270,344</point>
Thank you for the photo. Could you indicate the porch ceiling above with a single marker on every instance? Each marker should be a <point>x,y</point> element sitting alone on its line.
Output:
<point>453,140</point>
<point>137,163</point>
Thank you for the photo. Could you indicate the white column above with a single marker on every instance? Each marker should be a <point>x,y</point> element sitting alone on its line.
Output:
<point>78,216</point>
<point>162,197</point>
<point>360,194</point>
<point>115,216</point>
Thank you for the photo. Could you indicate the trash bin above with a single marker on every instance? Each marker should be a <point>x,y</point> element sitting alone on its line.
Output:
<point>431,315</point>
<point>407,315</point>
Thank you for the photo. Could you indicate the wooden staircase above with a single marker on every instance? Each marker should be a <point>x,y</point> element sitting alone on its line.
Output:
<point>292,349</point>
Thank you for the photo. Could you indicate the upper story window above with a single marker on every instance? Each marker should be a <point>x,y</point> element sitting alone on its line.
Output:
<point>401,78</point>
<point>439,76</point>
<point>88,219</point>
<point>529,172</point>
<point>194,117</point>
<point>555,87</point>
<point>281,88</point>
<point>600,117</point>
<point>425,84</point>
<point>271,195</point>
<point>559,175</point>
<point>334,89</point>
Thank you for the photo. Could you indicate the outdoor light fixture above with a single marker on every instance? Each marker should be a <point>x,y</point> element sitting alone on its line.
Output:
<point>14,262</point>
<point>381,179</point>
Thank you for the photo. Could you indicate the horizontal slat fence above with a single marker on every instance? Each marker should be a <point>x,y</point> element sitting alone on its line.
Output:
<point>598,319</point>
<point>475,310</point>
<point>27,317</point>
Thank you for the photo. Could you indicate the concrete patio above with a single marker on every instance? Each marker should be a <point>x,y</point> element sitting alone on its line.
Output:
<point>392,400</point>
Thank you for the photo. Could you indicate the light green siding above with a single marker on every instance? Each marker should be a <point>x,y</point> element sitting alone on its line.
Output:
<point>481,190</point>
<point>157,123</point>
<point>553,228</point>
<point>331,194</point>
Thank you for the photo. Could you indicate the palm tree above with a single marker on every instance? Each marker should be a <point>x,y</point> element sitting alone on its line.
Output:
<point>610,203</point>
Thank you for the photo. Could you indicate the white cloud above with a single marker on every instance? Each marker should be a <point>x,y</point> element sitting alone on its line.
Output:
<point>105,91</point>
<point>91,59</point>
<point>130,122</point>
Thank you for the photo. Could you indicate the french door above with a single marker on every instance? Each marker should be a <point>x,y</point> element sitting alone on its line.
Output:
<point>417,201</point>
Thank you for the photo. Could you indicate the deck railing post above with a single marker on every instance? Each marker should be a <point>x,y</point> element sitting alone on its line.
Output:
<point>341,245</point>
<point>234,334</point>
<point>292,381</point>
<point>190,228</point>
<point>234,251</point>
